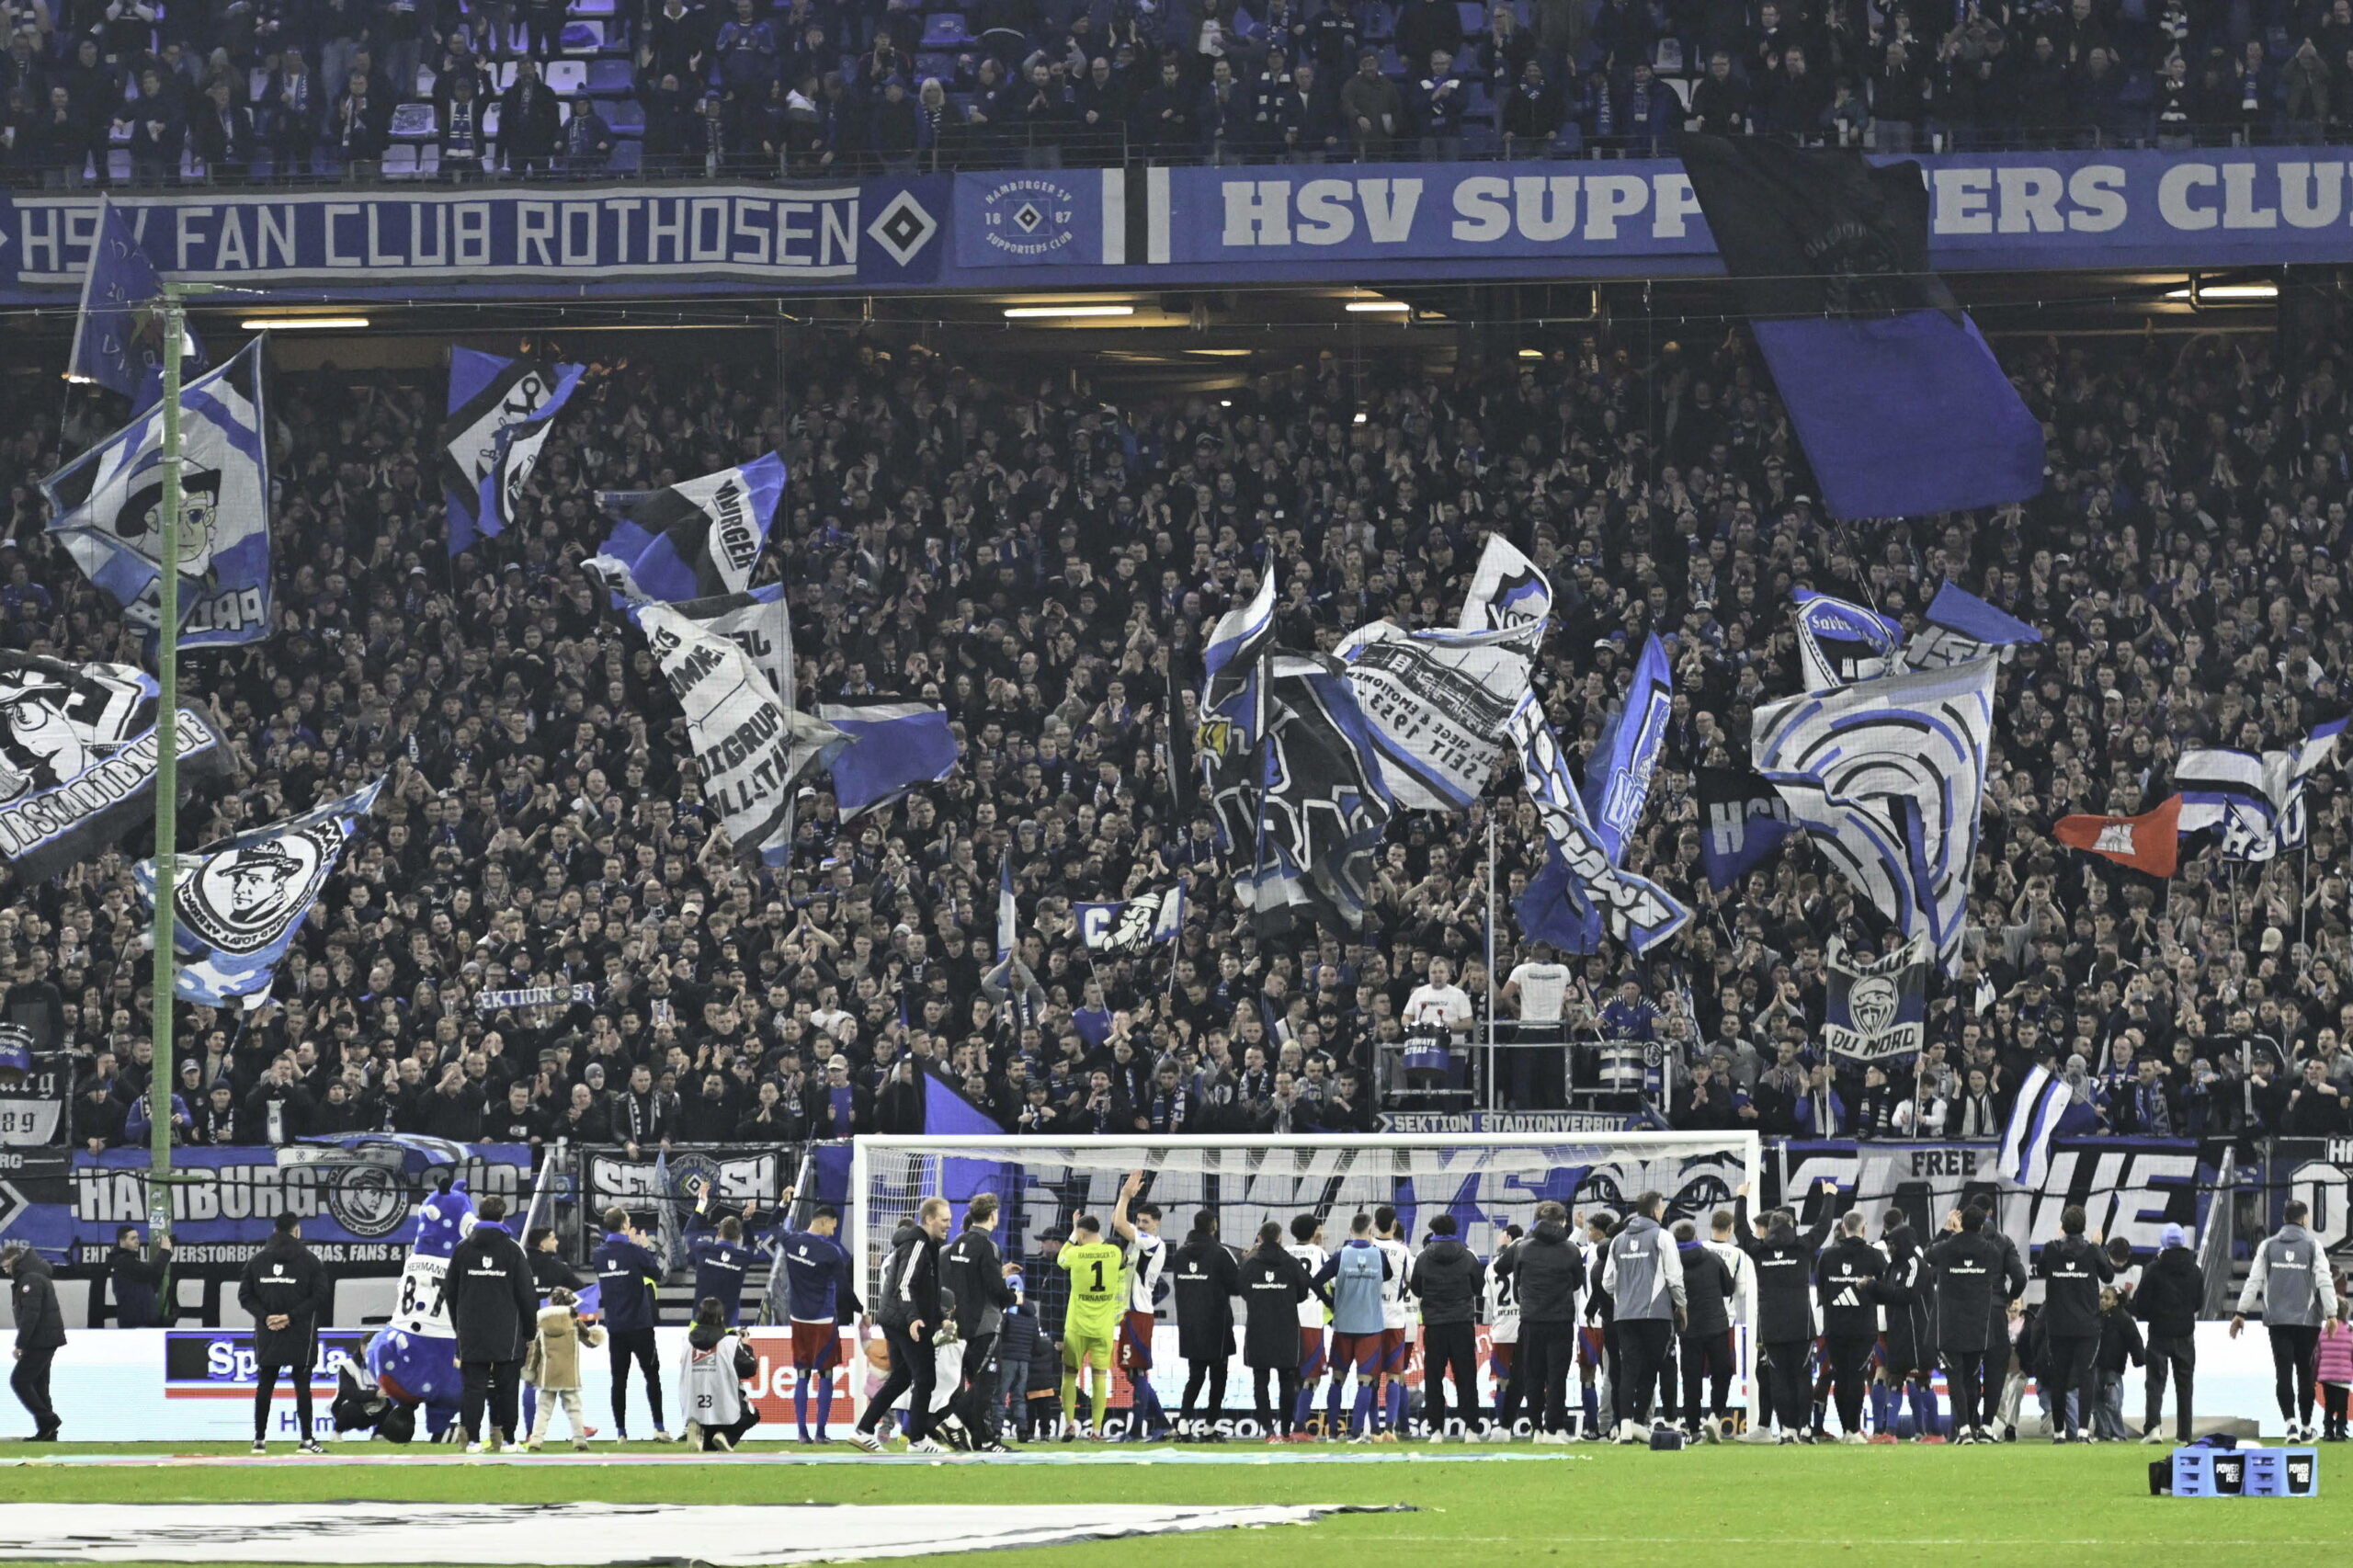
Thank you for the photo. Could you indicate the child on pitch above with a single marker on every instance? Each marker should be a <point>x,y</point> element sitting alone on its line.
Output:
<point>552,1366</point>
<point>2333,1369</point>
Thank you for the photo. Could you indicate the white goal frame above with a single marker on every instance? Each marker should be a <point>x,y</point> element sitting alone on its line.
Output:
<point>1132,1152</point>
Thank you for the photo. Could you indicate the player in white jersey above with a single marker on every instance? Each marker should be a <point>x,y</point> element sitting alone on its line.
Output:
<point>1307,1245</point>
<point>1501,1310</point>
<point>1397,1315</point>
<point>1147,1256</point>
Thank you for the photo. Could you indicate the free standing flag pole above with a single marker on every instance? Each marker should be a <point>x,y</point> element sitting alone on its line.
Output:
<point>161,1074</point>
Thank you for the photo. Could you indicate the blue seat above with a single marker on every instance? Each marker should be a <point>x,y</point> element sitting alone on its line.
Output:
<point>936,62</point>
<point>609,78</point>
<point>629,156</point>
<point>1474,18</point>
<point>1569,140</point>
<point>944,29</point>
<point>627,117</point>
<point>590,10</point>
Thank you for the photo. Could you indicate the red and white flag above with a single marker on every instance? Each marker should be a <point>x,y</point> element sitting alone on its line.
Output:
<point>2150,842</point>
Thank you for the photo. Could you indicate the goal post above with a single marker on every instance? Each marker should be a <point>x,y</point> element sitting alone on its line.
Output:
<point>1483,1181</point>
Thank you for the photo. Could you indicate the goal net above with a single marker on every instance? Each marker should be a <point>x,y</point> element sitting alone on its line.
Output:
<point>1484,1182</point>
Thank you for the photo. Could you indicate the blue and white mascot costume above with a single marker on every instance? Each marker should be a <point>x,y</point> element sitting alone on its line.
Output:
<point>413,1358</point>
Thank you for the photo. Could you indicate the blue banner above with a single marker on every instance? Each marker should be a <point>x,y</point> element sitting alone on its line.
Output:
<point>1151,228</point>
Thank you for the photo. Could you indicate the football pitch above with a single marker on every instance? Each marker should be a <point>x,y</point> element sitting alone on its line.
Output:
<point>1736,1504</point>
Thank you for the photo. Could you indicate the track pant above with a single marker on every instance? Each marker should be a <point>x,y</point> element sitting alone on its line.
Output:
<point>981,1373</point>
<point>1454,1344</point>
<point>1272,1418</point>
<point>622,1345</point>
<point>499,1385</point>
<point>912,1367</point>
<point>30,1382</point>
<point>2292,1345</point>
<point>1785,1391</point>
<point>1965,1371</point>
<point>2178,1354</point>
<point>2074,1368</point>
<point>1210,1374</point>
<point>1548,1354</point>
<point>1850,1356</point>
<point>1642,1347</point>
<point>266,1389</point>
<point>1707,1356</point>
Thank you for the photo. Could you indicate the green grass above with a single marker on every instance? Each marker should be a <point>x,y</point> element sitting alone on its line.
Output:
<point>2027,1505</point>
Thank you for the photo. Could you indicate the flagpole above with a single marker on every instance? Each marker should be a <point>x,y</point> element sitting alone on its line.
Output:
<point>1491,958</point>
<point>161,1074</point>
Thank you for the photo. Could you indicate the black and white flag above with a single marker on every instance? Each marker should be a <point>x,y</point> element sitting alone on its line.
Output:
<point>1435,703</point>
<point>78,750</point>
<point>2257,800</point>
<point>1876,1010</point>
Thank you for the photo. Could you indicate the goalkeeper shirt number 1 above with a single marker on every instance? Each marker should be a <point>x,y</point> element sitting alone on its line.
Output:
<point>1098,1288</point>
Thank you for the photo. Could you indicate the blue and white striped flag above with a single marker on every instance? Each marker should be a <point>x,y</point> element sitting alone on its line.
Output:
<point>2257,800</point>
<point>1008,911</point>
<point>2034,1121</point>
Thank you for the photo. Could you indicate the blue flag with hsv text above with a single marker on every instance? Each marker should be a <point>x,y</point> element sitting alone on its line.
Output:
<point>119,333</point>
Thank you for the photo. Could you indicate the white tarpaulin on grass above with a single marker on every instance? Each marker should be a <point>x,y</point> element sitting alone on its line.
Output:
<point>583,1534</point>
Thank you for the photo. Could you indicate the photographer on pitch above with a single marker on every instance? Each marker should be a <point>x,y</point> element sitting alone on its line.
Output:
<point>495,1309</point>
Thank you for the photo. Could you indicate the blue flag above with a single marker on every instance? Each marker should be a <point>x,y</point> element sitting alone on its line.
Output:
<point>700,539</point>
<point>106,508</point>
<point>947,1114</point>
<point>1906,416</point>
<point>240,902</point>
<point>1579,884</point>
<point>119,334</point>
<point>1618,776</point>
<point>1008,911</point>
<point>890,747</point>
<point>500,413</point>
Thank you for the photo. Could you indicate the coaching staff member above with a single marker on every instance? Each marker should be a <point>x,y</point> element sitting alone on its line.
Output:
<point>495,1309</point>
<point>1784,1260</point>
<point>1547,1272</point>
<point>40,1334</point>
<point>1205,1278</point>
<point>2073,1270</point>
<point>972,1272</point>
<point>1448,1279</point>
<point>285,1291</point>
<point>908,1313</point>
<point>1847,1277</point>
<point>1977,1277</point>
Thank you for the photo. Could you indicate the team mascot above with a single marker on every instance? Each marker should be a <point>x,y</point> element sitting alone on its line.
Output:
<point>413,1358</point>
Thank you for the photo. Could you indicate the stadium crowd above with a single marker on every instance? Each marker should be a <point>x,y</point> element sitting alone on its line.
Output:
<point>199,90</point>
<point>1045,563</point>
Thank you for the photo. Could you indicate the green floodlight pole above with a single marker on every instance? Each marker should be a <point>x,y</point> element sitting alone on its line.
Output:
<point>161,1072</point>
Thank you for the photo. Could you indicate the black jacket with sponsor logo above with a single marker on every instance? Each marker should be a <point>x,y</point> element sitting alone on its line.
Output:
<point>1784,1259</point>
<point>1977,1277</point>
<point>1205,1278</point>
<point>1273,1286</point>
<point>493,1304</point>
<point>2073,1270</point>
<point>285,1280</point>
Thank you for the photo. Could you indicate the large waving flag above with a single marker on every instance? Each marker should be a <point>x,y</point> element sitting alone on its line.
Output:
<point>2034,1121</point>
<point>1578,880</point>
<point>1233,693</point>
<point>700,539</point>
<point>1840,643</point>
<point>78,750</point>
<point>1889,776</point>
<point>1130,926</point>
<point>240,902</point>
<point>106,507</point>
<point>1962,627</point>
<point>1618,776</point>
<point>1742,820</point>
<point>888,746</point>
<point>1898,403</point>
<point>500,413</point>
<point>119,333</point>
<point>1433,704</point>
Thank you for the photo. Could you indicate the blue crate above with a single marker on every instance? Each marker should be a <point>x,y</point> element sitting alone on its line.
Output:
<point>2247,1473</point>
<point>2283,1472</point>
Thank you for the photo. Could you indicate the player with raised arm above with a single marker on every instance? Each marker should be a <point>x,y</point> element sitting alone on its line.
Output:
<point>1147,1258</point>
<point>1099,1301</point>
<point>1502,1311</point>
<point>1307,1245</point>
<point>1398,1313</point>
<point>1356,1275</point>
<point>819,1297</point>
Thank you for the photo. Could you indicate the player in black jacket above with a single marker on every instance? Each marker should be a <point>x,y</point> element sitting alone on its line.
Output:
<point>1977,1277</point>
<point>1707,1337</point>
<point>286,1292</point>
<point>2073,1270</point>
<point>1847,1277</point>
<point>495,1309</point>
<point>1784,1262</point>
<point>1273,1285</point>
<point>909,1312</point>
<point>1205,1279</point>
<point>1448,1279</point>
<point>971,1270</point>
